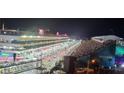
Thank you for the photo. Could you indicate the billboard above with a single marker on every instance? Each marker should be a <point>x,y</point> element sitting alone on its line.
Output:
<point>4,56</point>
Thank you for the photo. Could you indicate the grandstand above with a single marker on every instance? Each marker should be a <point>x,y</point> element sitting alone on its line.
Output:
<point>101,49</point>
<point>86,47</point>
<point>20,53</point>
<point>90,46</point>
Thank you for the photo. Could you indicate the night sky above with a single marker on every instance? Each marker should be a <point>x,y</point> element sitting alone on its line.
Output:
<point>81,27</point>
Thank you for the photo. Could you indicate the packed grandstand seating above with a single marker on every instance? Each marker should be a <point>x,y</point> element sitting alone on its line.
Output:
<point>87,47</point>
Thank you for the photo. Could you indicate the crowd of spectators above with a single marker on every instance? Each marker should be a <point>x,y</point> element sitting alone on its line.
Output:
<point>88,46</point>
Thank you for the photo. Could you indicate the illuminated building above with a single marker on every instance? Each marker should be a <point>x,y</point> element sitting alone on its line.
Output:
<point>20,53</point>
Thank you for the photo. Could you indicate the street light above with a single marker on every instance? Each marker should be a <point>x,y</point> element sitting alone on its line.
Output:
<point>93,61</point>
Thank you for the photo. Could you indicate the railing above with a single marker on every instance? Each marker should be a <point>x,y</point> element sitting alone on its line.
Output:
<point>16,68</point>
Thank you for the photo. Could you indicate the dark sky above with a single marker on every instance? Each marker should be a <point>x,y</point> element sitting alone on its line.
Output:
<point>83,27</point>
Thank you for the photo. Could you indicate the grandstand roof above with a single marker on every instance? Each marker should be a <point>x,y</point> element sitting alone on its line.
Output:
<point>105,38</point>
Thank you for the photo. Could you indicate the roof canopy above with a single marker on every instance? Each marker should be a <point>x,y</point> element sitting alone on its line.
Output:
<point>105,38</point>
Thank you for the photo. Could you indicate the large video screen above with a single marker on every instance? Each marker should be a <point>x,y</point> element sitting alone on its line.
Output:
<point>119,55</point>
<point>119,50</point>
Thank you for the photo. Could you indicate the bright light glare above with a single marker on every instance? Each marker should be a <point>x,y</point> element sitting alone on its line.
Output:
<point>93,61</point>
<point>122,65</point>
